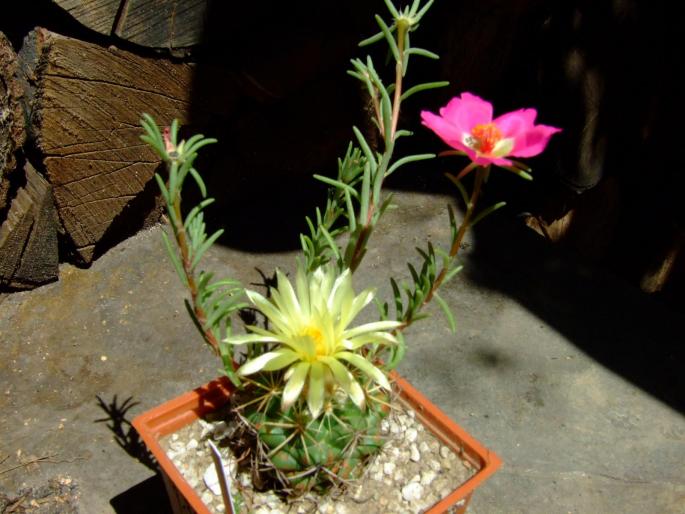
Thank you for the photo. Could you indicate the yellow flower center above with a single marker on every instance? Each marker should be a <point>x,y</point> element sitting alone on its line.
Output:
<point>316,336</point>
<point>487,136</point>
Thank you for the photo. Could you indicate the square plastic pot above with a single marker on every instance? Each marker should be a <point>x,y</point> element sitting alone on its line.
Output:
<point>185,409</point>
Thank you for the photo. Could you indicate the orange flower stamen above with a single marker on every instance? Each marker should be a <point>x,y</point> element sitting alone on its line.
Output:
<point>487,136</point>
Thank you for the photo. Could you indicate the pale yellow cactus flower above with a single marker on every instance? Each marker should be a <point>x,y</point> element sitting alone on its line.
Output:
<point>310,323</point>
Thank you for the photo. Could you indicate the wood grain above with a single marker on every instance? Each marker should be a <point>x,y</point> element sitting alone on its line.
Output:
<point>97,15</point>
<point>84,109</point>
<point>150,23</point>
<point>28,237</point>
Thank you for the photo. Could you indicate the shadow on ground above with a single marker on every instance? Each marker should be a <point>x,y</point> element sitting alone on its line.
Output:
<point>143,498</point>
<point>633,335</point>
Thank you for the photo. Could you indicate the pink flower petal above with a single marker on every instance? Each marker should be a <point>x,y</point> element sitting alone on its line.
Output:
<point>447,131</point>
<point>467,112</point>
<point>471,154</point>
<point>462,114</point>
<point>534,141</point>
<point>516,123</point>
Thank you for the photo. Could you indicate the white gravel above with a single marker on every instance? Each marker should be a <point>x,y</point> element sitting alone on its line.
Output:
<point>412,472</point>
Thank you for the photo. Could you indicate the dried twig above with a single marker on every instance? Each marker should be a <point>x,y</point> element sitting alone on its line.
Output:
<point>44,458</point>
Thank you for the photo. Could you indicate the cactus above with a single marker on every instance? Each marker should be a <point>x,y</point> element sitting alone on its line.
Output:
<point>317,453</point>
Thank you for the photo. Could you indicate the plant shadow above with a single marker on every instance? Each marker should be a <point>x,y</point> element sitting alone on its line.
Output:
<point>124,434</point>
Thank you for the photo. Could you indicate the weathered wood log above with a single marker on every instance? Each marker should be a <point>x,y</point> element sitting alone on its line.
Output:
<point>84,103</point>
<point>156,24</point>
<point>12,133</point>
<point>28,237</point>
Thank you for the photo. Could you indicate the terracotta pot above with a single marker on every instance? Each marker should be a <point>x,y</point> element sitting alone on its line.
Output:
<point>179,412</point>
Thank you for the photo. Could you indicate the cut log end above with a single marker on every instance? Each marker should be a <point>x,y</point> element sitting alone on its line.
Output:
<point>28,237</point>
<point>85,111</point>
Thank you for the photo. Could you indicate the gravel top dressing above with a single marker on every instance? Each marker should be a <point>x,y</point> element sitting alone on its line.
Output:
<point>413,471</point>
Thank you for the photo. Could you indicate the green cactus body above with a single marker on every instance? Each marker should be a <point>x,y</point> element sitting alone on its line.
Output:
<point>314,454</point>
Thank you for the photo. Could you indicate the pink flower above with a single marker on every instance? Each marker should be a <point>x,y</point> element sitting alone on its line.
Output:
<point>466,124</point>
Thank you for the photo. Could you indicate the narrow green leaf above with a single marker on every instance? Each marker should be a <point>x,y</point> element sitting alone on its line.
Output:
<point>218,314</point>
<point>423,10</point>
<point>451,273</point>
<point>387,203</point>
<point>213,302</point>
<point>386,114</point>
<point>521,165</point>
<point>331,243</point>
<point>372,39</point>
<point>200,183</point>
<point>173,181</point>
<point>397,353</point>
<point>524,175</point>
<point>191,313</point>
<point>405,53</point>
<point>234,284</point>
<point>399,308</point>
<point>203,280</point>
<point>174,132</point>
<point>378,179</point>
<point>414,274</point>
<point>175,259</point>
<point>366,184</point>
<point>359,66</point>
<point>202,249</point>
<point>419,295</point>
<point>306,243</point>
<point>414,7</point>
<point>196,210</point>
<point>188,145</point>
<point>422,253</point>
<point>486,212</point>
<point>446,310</point>
<point>393,10</point>
<point>351,216</point>
<point>423,87</point>
<point>388,37</point>
<point>408,159</point>
<point>423,53</point>
<point>200,144</point>
<point>460,187</point>
<point>370,158</point>
<point>336,183</point>
<point>182,173</point>
<point>453,222</point>
<point>312,230</point>
<point>226,351</point>
<point>157,147</point>
<point>163,189</point>
<point>150,126</point>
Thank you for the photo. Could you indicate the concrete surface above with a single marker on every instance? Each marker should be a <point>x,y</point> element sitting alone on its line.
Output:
<point>570,376</point>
